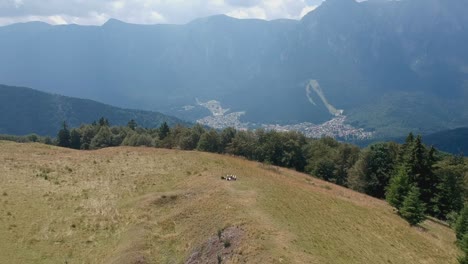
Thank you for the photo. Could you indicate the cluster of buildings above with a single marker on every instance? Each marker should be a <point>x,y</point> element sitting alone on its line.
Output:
<point>335,128</point>
<point>223,121</point>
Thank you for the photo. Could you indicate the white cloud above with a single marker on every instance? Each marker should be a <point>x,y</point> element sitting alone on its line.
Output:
<point>251,12</point>
<point>96,12</point>
<point>58,20</point>
<point>307,9</point>
<point>18,3</point>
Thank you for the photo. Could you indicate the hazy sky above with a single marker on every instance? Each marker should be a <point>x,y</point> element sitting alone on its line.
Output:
<point>96,12</point>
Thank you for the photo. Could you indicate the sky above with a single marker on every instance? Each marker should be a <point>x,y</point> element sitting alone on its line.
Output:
<point>97,12</point>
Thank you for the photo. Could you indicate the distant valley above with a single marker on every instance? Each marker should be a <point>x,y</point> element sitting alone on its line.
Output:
<point>336,127</point>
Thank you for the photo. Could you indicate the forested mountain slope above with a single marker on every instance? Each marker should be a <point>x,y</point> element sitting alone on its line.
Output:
<point>392,66</point>
<point>25,111</point>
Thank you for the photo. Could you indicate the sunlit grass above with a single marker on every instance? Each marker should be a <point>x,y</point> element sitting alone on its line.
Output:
<point>120,205</point>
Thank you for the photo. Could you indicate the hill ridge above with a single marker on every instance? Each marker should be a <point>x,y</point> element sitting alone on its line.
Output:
<point>159,205</point>
<point>25,111</point>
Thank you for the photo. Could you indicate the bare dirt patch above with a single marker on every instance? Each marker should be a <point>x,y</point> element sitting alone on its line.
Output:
<point>218,248</point>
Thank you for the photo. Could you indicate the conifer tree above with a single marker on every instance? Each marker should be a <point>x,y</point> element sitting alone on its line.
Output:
<point>461,227</point>
<point>419,161</point>
<point>450,190</point>
<point>405,151</point>
<point>398,188</point>
<point>63,137</point>
<point>132,124</point>
<point>412,208</point>
<point>163,131</point>
<point>464,247</point>
<point>421,172</point>
<point>103,122</point>
<point>75,139</point>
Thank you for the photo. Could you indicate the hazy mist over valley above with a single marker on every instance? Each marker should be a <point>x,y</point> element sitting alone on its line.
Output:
<point>392,66</point>
<point>234,131</point>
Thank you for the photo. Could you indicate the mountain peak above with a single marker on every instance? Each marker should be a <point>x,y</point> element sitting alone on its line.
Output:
<point>332,8</point>
<point>113,21</point>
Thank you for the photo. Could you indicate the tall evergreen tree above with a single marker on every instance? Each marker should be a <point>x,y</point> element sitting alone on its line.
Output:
<point>421,172</point>
<point>63,136</point>
<point>132,124</point>
<point>163,131</point>
<point>419,162</point>
<point>75,139</point>
<point>464,247</point>
<point>464,258</point>
<point>103,122</point>
<point>413,208</point>
<point>405,151</point>
<point>461,226</point>
<point>398,188</point>
<point>449,194</point>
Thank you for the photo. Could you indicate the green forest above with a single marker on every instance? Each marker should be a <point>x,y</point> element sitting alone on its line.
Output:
<point>417,180</point>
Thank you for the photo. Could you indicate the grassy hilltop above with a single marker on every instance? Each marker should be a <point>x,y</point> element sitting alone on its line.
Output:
<point>145,205</point>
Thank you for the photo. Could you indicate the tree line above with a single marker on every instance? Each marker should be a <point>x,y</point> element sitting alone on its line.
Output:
<point>384,170</point>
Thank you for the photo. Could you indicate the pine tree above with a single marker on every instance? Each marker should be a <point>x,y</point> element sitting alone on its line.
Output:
<point>463,260</point>
<point>419,161</point>
<point>132,124</point>
<point>461,227</point>
<point>450,190</point>
<point>461,230</point>
<point>398,188</point>
<point>63,137</point>
<point>464,247</point>
<point>75,139</point>
<point>103,122</point>
<point>405,151</point>
<point>409,139</point>
<point>412,208</point>
<point>422,174</point>
<point>163,131</point>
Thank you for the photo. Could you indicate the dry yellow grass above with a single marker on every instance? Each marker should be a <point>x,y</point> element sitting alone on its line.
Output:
<point>124,205</point>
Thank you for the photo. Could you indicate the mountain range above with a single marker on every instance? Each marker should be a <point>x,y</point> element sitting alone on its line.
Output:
<point>25,111</point>
<point>391,66</point>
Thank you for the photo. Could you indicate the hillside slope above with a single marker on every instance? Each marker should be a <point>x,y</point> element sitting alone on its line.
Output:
<point>142,205</point>
<point>24,111</point>
<point>454,141</point>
